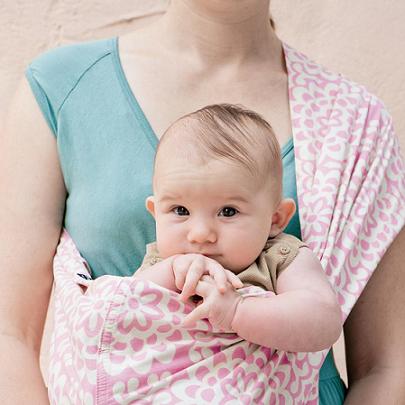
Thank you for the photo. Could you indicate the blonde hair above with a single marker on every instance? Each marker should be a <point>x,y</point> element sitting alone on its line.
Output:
<point>234,133</point>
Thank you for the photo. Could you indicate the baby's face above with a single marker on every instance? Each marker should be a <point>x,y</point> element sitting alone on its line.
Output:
<point>216,209</point>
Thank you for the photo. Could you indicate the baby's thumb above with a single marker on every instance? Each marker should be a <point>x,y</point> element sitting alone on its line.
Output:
<point>199,312</point>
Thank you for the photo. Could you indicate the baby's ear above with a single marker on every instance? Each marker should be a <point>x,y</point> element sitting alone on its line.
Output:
<point>282,216</point>
<point>150,205</point>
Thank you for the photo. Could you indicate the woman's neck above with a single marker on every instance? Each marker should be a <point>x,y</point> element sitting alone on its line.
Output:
<point>220,32</point>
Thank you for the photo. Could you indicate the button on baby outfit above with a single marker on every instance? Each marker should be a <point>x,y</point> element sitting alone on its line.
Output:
<point>285,250</point>
<point>155,259</point>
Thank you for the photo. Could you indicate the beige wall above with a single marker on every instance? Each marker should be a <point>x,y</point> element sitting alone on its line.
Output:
<point>362,39</point>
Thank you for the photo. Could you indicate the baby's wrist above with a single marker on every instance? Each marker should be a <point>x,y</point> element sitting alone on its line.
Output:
<point>236,314</point>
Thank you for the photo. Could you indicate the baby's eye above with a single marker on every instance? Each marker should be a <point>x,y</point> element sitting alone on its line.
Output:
<point>228,212</point>
<point>181,211</point>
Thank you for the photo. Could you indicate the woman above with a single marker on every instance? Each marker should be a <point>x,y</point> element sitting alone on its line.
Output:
<point>199,53</point>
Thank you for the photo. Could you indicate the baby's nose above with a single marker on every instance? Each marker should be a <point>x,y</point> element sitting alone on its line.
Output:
<point>202,232</point>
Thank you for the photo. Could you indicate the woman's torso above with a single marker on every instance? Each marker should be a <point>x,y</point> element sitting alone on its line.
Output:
<point>106,154</point>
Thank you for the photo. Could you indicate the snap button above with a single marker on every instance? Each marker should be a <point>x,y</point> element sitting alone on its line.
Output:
<point>284,250</point>
<point>155,260</point>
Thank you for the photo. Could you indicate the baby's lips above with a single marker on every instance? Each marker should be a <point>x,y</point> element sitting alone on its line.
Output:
<point>214,256</point>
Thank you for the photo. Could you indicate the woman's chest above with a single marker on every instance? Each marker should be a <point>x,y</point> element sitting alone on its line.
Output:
<point>168,92</point>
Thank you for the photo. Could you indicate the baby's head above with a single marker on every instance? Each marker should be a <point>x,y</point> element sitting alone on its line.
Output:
<point>217,186</point>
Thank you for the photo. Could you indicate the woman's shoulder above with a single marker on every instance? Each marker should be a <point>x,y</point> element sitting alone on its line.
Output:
<point>304,72</point>
<point>330,92</point>
<point>55,73</point>
<point>77,56</point>
<point>58,70</point>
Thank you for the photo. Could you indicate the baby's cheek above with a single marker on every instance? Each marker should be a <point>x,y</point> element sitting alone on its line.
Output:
<point>169,239</point>
<point>242,256</point>
<point>167,246</point>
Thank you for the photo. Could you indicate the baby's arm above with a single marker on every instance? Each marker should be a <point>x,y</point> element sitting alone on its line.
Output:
<point>304,316</point>
<point>160,273</point>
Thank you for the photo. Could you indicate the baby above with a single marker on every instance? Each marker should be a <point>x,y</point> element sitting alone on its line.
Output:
<point>217,201</point>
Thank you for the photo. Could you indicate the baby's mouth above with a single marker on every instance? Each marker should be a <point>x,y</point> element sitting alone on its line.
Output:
<point>212,256</point>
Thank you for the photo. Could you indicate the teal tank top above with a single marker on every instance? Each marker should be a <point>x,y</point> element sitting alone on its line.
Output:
<point>106,149</point>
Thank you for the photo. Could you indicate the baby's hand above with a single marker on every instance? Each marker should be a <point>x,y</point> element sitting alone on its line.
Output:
<point>219,308</point>
<point>189,268</point>
<point>160,273</point>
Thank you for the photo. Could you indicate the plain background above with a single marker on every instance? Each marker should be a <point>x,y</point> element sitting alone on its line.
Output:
<point>362,39</point>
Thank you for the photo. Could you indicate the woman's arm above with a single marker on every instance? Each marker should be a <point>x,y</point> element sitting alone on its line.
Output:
<point>304,316</point>
<point>31,211</point>
<point>375,334</point>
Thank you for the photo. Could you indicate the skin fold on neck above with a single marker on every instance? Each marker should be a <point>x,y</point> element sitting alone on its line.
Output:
<point>204,52</point>
<point>214,32</point>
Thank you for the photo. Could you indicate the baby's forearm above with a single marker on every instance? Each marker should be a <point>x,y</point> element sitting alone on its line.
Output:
<point>296,321</point>
<point>160,273</point>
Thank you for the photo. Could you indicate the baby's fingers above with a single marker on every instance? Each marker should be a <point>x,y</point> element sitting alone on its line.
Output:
<point>218,273</point>
<point>200,312</point>
<point>223,276</point>
<point>233,279</point>
<point>193,276</point>
<point>180,268</point>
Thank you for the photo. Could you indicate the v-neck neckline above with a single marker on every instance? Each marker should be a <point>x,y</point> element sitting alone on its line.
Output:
<point>139,113</point>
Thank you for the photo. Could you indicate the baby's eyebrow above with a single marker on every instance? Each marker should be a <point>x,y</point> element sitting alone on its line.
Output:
<point>169,197</point>
<point>237,198</point>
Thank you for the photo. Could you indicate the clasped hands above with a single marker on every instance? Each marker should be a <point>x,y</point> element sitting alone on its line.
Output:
<point>195,274</point>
